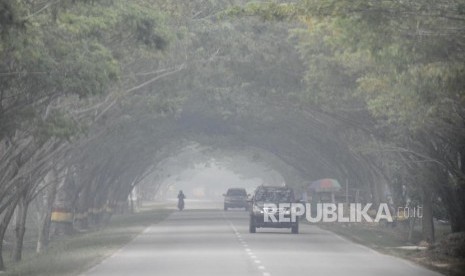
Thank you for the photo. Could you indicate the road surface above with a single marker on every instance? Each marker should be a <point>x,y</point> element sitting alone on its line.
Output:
<point>214,242</point>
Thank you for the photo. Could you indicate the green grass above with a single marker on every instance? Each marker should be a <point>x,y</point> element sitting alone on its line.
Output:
<point>75,254</point>
<point>372,235</point>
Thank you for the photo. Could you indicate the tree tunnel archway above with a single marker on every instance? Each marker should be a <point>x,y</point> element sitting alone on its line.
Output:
<point>288,80</point>
<point>130,150</point>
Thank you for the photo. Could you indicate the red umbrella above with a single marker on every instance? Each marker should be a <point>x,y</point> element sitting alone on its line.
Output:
<point>325,185</point>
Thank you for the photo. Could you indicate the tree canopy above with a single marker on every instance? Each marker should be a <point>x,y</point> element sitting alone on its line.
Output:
<point>94,95</point>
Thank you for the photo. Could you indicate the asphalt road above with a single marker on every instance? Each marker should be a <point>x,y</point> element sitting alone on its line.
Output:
<point>214,242</point>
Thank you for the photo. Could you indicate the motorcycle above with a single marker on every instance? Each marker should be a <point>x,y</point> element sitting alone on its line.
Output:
<point>181,204</point>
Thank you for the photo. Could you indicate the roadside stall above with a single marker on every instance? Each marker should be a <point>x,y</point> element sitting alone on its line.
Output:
<point>324,190</point>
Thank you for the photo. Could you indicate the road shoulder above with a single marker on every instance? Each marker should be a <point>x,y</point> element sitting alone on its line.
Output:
<point>388,242</point>
<point>80,252</point>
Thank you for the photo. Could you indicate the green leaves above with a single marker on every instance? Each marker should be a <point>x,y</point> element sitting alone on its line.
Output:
<point>89,70</point>
<point>71,48</point>
<point>59,125</point>
<point>265,10</point>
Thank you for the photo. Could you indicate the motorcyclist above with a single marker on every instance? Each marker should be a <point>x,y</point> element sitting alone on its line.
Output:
<point>181,198</point>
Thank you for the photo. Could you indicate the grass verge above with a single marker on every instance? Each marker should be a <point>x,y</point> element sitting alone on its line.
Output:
<point>77,253</point>
<point>387,240</point>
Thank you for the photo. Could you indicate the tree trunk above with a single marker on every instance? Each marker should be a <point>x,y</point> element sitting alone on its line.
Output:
<point>375,192</point>
<point>411,227</point>
<point>81,218</point>
<point>3,226</point>
<point>457,210</point>
<point>20,227</point>
<point>44,234</point>
<point>427,220</point>
<point>453,200</point>
<point>62,211</point>
<point>131,201</point>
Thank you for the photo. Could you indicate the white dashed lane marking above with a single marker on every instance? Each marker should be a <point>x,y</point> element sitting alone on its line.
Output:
<point>249,251</point>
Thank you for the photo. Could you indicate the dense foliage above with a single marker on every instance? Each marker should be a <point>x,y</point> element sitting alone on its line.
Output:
<point>94,95</point>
